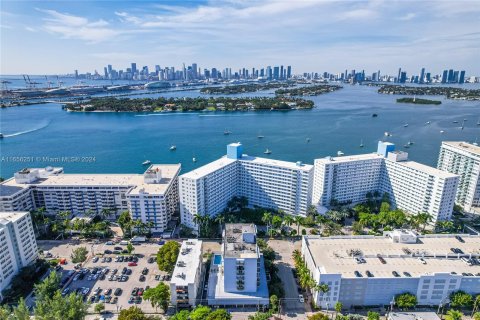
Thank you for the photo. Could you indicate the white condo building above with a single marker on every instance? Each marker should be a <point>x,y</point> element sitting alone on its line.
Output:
<point>463,158</point>
<point>18,247</point>
<point>265,182</point>
<point>152,196</point>
<point>412,186</point>
<point>185,285</point>
<point>399,261</point>
<point>237,274</point>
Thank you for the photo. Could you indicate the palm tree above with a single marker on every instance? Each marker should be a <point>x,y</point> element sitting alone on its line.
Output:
<point>220,219</point>
<point>288,220</point>
<point>296,255</point>
<point>150,224</point>
<point>197,219</point>
<point>298,221</point>
<point>105,213</point>
<point>267,219</point>
<point>423,219</point>
<point>454,315</point>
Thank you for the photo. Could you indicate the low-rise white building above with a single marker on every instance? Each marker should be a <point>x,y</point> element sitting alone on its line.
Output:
<point>371,270</point>
<point>18,247</point>
<point>152,196</point>
<point>237,274</point>
<point>463,158</point>
<point>185,285</point>
<point>265,182</point>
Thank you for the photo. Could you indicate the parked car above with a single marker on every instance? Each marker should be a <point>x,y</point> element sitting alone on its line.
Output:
<point>422,260</point>
<point>107,291</point>
<point>118,248</point>
<point>142,278</point>
<point>460,239</point>
<point>407,274</point>
<point>369,274</point>
<point>145,271</point>
<point>395,274</point>
<point>151,260</point>
<point>109,243</point>
<point>357,274</point>
<point>131,300</point>
<point>95,259</point>
<point>132,264</point>
<point>107,251</point>
<point>134,291</point>
<point>381,259</point>
<point>118,292</point>
<point>114,300</point>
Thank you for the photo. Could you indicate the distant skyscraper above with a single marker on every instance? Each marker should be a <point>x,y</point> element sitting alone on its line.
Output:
<point>450,75</point>
<point>399,74</point>
<point>403,77</point>
<point>445,76</point>
<point>194,71</point>
<point>462,77</point>
<point>289,72</point>
<point>422,76</point>
<point>214,73</point>
<point>455,77</point>
<point>276,73</point>
<point>76,74</point>
<point>134,67</point>
<point>105,72</point>
<point>281,72</point>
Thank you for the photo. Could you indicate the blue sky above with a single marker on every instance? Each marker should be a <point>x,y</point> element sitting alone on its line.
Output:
<point>48,37</point>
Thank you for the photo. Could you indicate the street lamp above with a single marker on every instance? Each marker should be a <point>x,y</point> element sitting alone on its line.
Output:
<point>392,303</point>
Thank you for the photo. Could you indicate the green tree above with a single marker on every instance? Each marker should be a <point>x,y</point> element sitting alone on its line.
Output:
<point>130,248</point>
<point>277,222</point>
<point>453,315</point>
<point>47,288</point>
<point>132,313</point>
<point>219,314</point>
<point>318,316</point>
<point>167,256</point>
<point>274,303</point>
<point>99,307</point>
<point>158,296</point>
<point>79,255</point>
<point>476,316</point>
<point>200,313</point>
<point>20,312</point>
<point>459,299</point>
<point>338,307</point>
<point>125,222</point>
<point>267,219</point>
<point>182,315</point>
<point>406,300</point>
<point>71,307</point>
<point>371,315</point>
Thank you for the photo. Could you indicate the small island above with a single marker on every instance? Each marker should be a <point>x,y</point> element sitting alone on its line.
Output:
<point>243,88</point>
<point>418,101</point>
<point>162,104</point>
<point>308,90</point>
<point>448,92</point>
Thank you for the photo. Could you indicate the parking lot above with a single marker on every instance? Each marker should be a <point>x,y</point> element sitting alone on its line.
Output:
<point>111,278</point>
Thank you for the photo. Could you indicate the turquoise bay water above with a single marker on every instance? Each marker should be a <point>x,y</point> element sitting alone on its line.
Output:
<point>120,142</point>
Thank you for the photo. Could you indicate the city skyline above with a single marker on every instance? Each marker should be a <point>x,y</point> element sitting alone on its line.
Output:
<point>58,36</point>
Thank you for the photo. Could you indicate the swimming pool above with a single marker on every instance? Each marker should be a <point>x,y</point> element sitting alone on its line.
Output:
<point>217,259</point>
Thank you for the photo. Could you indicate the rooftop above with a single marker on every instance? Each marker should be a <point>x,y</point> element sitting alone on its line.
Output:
<point>334,255</point>
<point>350,158</point>
<point>240,240</point>
<point>464,146</point>
<point>12,215</point>
<point>413,316</point>
<point>426,169</point>
<point>189,258</point>
<point>10,187</point>
<point>168,173</point>
<point>278,163</point>
<point>209,168</point>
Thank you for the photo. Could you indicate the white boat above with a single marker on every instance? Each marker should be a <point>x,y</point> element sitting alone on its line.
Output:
<point>226,132</point>
<point>478,122</point>
<point>340,153</point>
<point>267,151</point>
<point>146,162</point>
<point>387,134</point>
<point>194,159</point>
<point>405,125</point>
<point>428,122</point>
<point>173,148</point>
<point>455,121</point>
<point>441,131</point>
<point>260,135</point>
<point>361,144</point>
<point>410,143</point>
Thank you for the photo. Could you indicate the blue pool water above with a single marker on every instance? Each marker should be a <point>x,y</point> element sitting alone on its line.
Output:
<point>217,259</point>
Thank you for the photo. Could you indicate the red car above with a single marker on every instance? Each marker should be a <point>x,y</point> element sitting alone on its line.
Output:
<point>132,264</point>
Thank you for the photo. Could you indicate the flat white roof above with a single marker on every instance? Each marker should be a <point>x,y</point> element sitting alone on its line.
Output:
<point>168,172</point>
<point>413,316</point>
<point>463,145</point>
<point>277,163</point>
<point>350,158</point>
<point>10,187</point>
<point>332,255</point>
<point>187,262</point>
<point>12,215</point>
<point>208,168</point>
<point>426,169</point>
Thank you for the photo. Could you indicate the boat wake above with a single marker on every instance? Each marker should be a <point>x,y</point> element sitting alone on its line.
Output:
<point>26,131</point>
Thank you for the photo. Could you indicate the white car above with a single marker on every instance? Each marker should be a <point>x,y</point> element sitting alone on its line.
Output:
<point>76,277</point>
<point>300,298</point>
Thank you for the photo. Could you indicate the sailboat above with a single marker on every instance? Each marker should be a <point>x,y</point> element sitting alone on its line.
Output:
<point>173,147</point>
<point>463,124</point>
<point>267,151</point>
<point>478,122</point>
<point>410,142</point>
<point>146,162</point>
<point>428,122</point>
<point>260,136</point>
<point>361,144</point>
<point>194,159</point>
<point>405,125</point>
<point>340,153</point>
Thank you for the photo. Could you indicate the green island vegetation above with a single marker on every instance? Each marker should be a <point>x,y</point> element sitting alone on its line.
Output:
<point>418,101</point>
<point>308,90</point>
<point>242,88</point>
<point>448,92</point>
<point>162,104</point>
